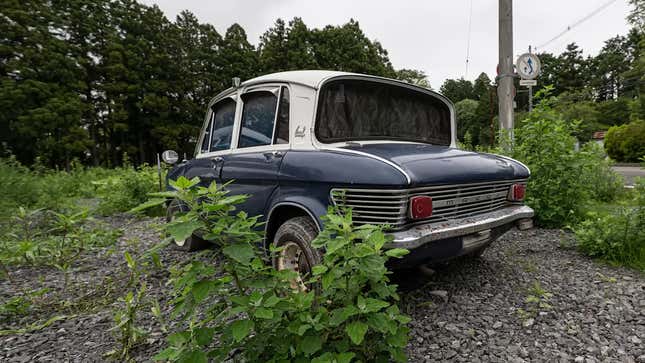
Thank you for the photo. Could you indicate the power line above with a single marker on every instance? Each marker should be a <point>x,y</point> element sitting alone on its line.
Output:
<point>582,20</point>
<point>470,22</point>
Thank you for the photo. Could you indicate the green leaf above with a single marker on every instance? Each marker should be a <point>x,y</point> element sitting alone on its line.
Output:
<point>372,305</point>
<point>271,301</point>
<point>319,270</point>
<point>147,205</point>
<point>129,260</point>
<point>201,289</point>
<point>204,336</point>
<point>327,357</point>
<point>240,329</point>
<point>345,357</point>
<point>263,313</point>
<point>180,230</point>
<point>356,331</point>
<point>240,252</point>
<point>381,323</point>
<point>195,356</point>
<point>303,329</point>
<point>340,315</point>
<point>397,252</point>
<point>310,344</point>
<point>362,250</point>
<point>400,339</point>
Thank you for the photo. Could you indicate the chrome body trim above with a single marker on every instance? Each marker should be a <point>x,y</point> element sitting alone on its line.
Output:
<point>450,201</point>
<point>429,232</point>
<point>388,162</point>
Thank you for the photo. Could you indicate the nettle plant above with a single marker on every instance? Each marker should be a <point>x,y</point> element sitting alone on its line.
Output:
<point>241,308</point>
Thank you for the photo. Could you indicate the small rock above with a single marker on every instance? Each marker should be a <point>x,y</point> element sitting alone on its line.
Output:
<point>419,340</point>
<point>443,294</point>
<point>579,359</point>
<point>452,328</point>
<point>627,278</point>
<point>604,350</point>
<point>449,354</point>
<point>455,344</point>
<point>528,322</point>
<point>497,325</point>
<point>634,339</point>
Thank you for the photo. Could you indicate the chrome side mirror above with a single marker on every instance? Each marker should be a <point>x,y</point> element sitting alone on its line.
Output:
<point>170,156</point>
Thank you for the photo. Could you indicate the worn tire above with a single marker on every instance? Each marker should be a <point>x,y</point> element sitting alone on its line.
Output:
<point>300,231</point>
<point>192,243</point>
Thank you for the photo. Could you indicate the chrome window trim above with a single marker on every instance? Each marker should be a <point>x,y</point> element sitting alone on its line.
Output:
<point>230,93</point>
<point>453,119</point>
<point>268,88</point>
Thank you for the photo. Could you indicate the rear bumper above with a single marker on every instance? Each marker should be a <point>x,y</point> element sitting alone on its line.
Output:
<point>423,234</point>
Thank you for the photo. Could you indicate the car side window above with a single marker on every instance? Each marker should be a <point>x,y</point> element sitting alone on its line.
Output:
<point>258,118</point>
<point>223,119</point>
<point>282,121</point>
<point>207,136</point>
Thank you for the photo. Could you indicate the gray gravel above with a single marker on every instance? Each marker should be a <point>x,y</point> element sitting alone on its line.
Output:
<point>468,310</point>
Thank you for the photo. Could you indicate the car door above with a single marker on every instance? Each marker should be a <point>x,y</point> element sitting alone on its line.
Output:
<point>216,141</point>
<point>262,139</point>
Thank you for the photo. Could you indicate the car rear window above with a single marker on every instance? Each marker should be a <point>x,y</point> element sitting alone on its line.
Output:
<point>354,110</point>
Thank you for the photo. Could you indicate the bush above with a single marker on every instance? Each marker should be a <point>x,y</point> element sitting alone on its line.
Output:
<point>562,180</point>
<point>243,309</point>
<point>616,233</point>
<point>544,143</point>
<point>626,142</point>
<point>117,190</point>
<point>126,188</point>
<point>602,183</point>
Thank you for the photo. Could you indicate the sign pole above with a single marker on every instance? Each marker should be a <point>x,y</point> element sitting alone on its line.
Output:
<point>530,91</point>
<point>506,73</point>
<point>530,98</point>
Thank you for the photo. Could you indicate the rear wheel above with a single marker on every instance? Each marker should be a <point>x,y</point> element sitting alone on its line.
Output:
<point>192,243</point>
<point>294,237</point>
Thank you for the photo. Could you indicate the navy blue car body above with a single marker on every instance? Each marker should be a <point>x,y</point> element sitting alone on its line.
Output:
<point>297,142</point>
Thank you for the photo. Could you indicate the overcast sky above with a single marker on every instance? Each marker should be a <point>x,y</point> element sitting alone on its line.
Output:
<point>429,35</point>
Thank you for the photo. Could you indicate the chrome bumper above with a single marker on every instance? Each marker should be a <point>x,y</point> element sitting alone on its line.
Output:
<point>424,233</point>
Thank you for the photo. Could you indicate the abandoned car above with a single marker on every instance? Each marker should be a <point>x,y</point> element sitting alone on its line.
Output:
<point>298,141</point>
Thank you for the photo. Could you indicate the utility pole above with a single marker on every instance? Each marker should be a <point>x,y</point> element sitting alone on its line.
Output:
<point>505,67</point>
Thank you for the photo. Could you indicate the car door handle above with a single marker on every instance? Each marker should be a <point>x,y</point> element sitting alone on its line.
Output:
<point>216,161</point>
<point>273,154</point>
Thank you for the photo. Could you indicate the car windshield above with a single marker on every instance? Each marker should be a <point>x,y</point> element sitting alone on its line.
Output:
<point>354,110</point>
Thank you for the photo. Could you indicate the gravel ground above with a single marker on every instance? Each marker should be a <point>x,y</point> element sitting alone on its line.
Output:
<point>525,299</point>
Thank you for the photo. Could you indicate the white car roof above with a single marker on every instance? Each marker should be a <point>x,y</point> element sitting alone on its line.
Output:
<point>310,78</point>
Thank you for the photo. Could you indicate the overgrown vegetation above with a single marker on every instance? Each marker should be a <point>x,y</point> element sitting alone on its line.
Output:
<point>99,190</point>
<point>616,232</point>
<point>563,180</point>
<point>242,308</point>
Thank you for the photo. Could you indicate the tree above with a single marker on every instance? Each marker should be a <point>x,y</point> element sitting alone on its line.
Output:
<point>466,118</point>
<point>284,48</point>
<point>457,90</point>
<point>42,110</point>
<point>413,76</point>
<point>637,16</point>
<point>239,58</point>
<point>346,48</point>
<point>572,70</point>
<point>481,86</point>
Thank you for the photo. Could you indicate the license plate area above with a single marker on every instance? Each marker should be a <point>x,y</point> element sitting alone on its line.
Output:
<point>476,239</point>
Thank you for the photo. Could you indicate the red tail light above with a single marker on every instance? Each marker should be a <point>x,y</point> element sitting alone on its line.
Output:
<point>517,192</point>
<point>420,207</point>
